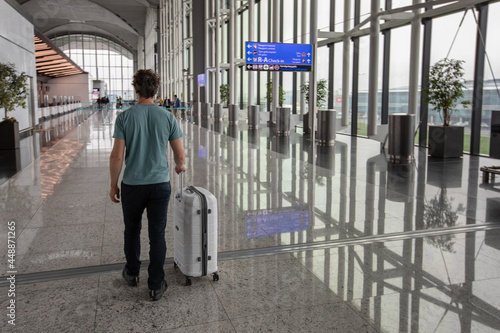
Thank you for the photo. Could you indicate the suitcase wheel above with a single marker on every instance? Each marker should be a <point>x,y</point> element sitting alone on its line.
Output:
<point>216,277</point>
<point>188,281</point>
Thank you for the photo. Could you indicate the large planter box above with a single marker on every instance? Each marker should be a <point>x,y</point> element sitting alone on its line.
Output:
<point>446,142</point>
<point>9,135</point>
<point>305,122</point>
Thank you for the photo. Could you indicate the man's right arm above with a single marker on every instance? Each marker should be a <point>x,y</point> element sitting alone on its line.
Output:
<point>179,155</point>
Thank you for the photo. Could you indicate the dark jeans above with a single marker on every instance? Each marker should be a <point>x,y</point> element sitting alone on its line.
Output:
<point>154,198</point>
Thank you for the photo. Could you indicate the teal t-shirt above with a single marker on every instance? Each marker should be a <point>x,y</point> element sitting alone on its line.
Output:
<point>146,129</point>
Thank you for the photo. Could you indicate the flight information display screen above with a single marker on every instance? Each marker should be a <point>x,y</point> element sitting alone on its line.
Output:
<point>278,57</point>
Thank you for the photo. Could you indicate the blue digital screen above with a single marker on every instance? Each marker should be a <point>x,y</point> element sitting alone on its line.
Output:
<point>202,152</point>
<point>201,80</point>
<point>262,223</point>
<point>278,57</point>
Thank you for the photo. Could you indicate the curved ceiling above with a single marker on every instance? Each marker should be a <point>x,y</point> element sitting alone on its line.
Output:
<point>121,20</point>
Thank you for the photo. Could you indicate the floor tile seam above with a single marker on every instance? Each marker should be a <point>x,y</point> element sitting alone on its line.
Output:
<point>31,219</point>
<point>200,324</point>
<point>97,302</point>
<point>18,173</point>
<point>212,285</point>
<point>67,225</point>
<point>103,234</point>
<point>67,206</point>
<point>366,319</point>
<point>447,290</point>
<point>278,311</point>
<point>363,240</point>
<point>485,310</point>
<point>228,255</point>
<point>447,294</point>
<point>482,257</point>
<point>359,270</point>
<point>88,249</point>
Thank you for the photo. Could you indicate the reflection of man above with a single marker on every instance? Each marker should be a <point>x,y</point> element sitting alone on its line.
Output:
<point>145,130</point>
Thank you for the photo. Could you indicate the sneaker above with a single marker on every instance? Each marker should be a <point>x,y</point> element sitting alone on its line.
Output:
<point>132,281</point>
<point>155,295</point>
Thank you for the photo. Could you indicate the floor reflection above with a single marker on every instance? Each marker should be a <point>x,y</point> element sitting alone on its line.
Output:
<point>10,164</point>
<point>407,247</point>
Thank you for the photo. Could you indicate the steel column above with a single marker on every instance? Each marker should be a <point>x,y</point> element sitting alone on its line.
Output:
<point>373,70</point>
<point>232,47</point>
<point>275,76</point>
<point>385,77</point>
<point>207,51</point>
<point>414,61</point>
<point>346,64</point>
<point>217,51</point>
<point>477,93</point>
<point>251,37</point>
<point>303,40</point>
<point>313,74</point>
<point>426,60</point>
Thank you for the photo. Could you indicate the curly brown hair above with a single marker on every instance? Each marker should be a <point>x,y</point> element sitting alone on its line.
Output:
<point>146,83</point>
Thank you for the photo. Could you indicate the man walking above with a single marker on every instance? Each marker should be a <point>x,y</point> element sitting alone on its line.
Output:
<point>145,131</point>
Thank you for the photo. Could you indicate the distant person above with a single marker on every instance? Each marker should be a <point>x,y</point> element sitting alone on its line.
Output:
<point>177,102</point>
<point>142,135</point>
<point>105,101</point>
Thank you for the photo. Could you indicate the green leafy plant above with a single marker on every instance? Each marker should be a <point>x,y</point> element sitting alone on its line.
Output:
<point>269,93</point>
<point>13,89</point>
<point>321,92</point>
<point>446,87</point>
<point>224,93</point>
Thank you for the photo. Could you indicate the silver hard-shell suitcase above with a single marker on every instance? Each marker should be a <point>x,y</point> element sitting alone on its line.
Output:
<point>195,232</point>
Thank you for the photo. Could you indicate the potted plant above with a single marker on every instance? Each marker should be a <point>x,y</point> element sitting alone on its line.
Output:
<point>321,96</point>
<point>444,91</point>
<point>13,89</point>
<point>269,93</point>
<point>224,93</point>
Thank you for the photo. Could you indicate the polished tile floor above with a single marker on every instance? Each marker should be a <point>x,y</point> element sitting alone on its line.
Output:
<point>311,239</point>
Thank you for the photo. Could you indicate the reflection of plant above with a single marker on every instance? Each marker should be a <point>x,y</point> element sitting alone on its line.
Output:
<point>438,213</point>
<point>269,94</point>
<point>13,88</point>
<point>320,180</point>
<point>321,92</point>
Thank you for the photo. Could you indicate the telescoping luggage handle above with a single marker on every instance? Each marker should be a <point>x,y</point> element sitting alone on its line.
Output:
<point>181,181</point>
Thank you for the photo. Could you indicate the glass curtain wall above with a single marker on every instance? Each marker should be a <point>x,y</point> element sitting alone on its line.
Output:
<point>444,44</point>
<point>103,59</point>
<point>444,27</point>
<point>399,67</point>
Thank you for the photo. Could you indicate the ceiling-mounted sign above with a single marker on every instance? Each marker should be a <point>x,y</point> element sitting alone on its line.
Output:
<point>278,57</point>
